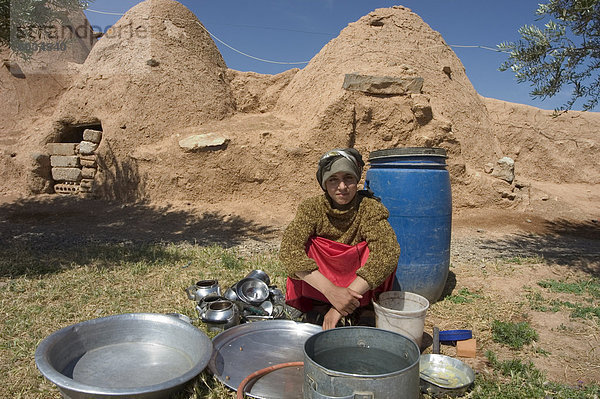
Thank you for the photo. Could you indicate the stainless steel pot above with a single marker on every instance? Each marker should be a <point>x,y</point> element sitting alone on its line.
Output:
<point>137,355</point>
<point>206,301</point>
<point>360,362</point>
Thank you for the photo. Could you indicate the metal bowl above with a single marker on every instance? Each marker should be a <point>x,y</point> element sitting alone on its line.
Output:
<point>261,275</point>
<point>444,375</point>
<point>249,347</point>
<point>136,355</point>
<point>267,306</point>
<point>231,294</point>
<point>252,291</point>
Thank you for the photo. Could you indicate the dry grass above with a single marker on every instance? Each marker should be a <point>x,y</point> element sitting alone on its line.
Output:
<point>149,279</point>
<point>44,291</point>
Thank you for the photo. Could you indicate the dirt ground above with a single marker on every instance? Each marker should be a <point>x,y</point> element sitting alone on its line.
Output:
<point>506,237</point>
<point>502,256</point>
<point>499,254</point>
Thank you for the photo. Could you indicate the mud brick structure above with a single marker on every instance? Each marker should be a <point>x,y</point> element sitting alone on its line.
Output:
<point>74,165</point>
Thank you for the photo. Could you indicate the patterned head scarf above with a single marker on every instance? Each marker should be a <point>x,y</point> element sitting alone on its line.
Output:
<point>339,160</point>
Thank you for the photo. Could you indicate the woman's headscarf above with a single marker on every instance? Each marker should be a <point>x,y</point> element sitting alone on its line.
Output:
<point>346,160</point>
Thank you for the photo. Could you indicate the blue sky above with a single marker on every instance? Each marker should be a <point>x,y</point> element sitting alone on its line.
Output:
<point>296,30</point>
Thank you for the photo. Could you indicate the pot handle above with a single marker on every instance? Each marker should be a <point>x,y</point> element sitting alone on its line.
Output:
<point>190,291</point>
<point>317,395</point>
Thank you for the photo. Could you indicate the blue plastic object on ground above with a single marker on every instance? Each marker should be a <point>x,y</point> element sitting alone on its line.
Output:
<point>414,185</point>
<point>455,335</point>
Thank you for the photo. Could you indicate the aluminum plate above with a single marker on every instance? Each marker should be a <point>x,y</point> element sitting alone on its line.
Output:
<point>246,348</point>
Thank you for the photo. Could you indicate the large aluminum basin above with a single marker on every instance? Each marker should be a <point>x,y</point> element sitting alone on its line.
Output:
<point>136,355</point>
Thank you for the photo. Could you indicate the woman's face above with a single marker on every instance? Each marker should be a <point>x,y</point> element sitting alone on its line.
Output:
<point>341,187</point>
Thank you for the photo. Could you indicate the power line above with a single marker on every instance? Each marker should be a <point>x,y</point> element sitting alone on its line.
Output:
<point>105,12</point>
<point>292,30</point>
<point>251,56</point>
<point>481,47</point>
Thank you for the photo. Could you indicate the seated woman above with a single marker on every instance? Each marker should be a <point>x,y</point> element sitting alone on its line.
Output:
<point>340,250</point>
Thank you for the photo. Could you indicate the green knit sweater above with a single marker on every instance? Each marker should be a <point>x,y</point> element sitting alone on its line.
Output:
<point>363,219</point>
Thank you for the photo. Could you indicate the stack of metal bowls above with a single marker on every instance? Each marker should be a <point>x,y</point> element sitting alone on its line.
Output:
<point>250,299</point>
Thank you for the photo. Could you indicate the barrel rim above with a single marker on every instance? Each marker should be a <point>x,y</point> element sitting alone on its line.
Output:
<point>407,151</point>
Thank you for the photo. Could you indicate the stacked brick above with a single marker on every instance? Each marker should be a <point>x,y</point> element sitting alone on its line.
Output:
<point>66,171</point>
<point>87,158</point>
<point>74,165</point>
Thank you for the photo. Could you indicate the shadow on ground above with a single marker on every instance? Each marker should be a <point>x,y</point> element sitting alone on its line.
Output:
<point>575,245</point>
<point>63,223</point>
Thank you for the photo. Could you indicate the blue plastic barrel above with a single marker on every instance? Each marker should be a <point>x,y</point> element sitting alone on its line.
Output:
<point>414,185</point>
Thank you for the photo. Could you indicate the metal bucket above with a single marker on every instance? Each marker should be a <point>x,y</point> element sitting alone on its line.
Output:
<point>360,363</point>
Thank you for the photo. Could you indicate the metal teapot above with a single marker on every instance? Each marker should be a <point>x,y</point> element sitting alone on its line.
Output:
<point>203,288</point>
<point>220,314</point>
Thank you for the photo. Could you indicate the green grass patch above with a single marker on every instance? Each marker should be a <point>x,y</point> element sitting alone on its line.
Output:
<point>584,312</point>
<point>514,335</point>
<point>463,296</point>
<point>591,287</point>
<point>517,379</point>
<point>588,291</point>
<point>538,303</point>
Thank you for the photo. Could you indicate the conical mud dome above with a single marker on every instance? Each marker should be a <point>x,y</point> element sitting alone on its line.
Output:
<point>427,98</point>
<point>135,74</point>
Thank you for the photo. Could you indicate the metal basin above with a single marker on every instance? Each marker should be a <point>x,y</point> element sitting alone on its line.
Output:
<point>443,376</point>
<point>137,355</point>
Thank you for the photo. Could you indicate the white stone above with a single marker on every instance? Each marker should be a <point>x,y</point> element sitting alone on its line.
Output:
<point>92,135</point>
<point>88,173</point>
<point>62,148</point>
<point>505,169</point>
<point>64,161</point>
<point>87,147</point>
<point>66,174</point>
<point>203,142</point>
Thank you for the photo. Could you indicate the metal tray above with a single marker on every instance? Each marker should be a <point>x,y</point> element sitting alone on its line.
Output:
<point>246,348</point>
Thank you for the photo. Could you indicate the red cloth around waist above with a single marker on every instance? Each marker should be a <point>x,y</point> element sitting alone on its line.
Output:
<point>338,263</point>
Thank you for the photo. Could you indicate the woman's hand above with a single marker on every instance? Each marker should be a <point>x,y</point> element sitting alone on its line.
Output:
<point>332,317</point>
<point>345,300</point>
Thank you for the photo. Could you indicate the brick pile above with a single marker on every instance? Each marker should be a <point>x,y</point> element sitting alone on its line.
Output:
<point>74,165</point>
